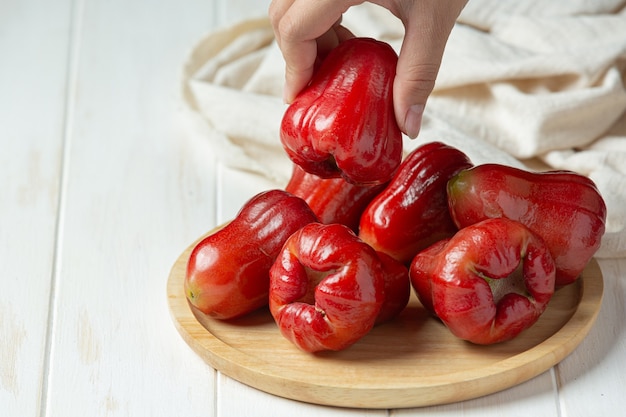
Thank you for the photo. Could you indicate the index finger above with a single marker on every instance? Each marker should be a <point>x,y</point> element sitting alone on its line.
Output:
<point>297,32</point>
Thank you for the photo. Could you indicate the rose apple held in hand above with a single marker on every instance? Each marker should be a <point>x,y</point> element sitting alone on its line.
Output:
<point>333,200</point>
<point>343,122</point>
<point>564,208</point>
<point>326,288</point>
<point>412,212</point>
<point>228,271</point>
<point>472,280</point>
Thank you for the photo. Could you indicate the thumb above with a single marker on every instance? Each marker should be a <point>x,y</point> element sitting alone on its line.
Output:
<point>427,27</point>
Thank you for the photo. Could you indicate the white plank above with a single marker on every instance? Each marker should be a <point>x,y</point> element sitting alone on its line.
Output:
<point>34,39</point>
<point>592,378</point>
<point>236,399</point>
<point>137,193</point>
<point>535,397</point>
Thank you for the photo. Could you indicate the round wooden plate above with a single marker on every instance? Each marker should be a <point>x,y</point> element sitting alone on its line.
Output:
<point>412,361</point>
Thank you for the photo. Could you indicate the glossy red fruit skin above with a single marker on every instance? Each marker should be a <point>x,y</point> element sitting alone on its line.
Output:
<point>326,288</point>
<point>470,280</point>
<point>227,272</point>
<point>343,122</point>
<point>412,212</point>
<point>564,208</point>
<point>397,288</point>
<point>333,200</point>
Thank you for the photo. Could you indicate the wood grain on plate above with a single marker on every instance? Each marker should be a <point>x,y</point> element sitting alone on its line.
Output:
<point>412,361</point>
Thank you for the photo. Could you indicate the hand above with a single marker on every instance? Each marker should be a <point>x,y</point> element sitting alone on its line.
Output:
<point>307,30</point>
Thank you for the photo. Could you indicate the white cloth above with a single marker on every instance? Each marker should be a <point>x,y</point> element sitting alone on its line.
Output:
<point>520,82</point>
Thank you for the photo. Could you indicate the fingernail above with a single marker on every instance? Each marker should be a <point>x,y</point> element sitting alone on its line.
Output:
<point>413,120</point>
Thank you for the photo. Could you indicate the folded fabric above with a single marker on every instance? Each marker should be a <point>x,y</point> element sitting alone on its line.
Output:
<point>520,82</point>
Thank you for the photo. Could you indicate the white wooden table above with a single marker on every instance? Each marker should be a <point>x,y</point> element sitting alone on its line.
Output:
<point>101,191</point>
